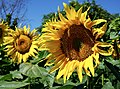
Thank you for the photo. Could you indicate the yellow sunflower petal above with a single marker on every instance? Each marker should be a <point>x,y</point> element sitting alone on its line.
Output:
<point>25,56</point>
<point>49,62</point>
<point>98,21</point>
<point>3,31</point>
<point>66,72</point>
<point>33,32</point>
<point>119,46</point>
<point>91,65</point>
<point>19,57</point>
<point>79,70</point>
<point>31,53</point>
<point>87,23</point>
<point>10,52</point>
<point>56,66</point>
<point>79,12</point>
<point>9,46</point>
<point>83,16</point>
<point>63,19</point>
<point>60,57</point>
<point>67,10</point>
<point>43,47</point>
<point>73,12</point>
<point>86,66</point>
<point>96,57</point>
<point>99,32</point>
<point>62,70</point>
<point>26,31</point>
<point>50,30</point>
<point>14,57</point>
<point>72,67</point>
<point>107,52</point>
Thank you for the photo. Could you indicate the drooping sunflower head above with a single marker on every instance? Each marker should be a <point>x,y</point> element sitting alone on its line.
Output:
<point>73,44</point>
<point>3,31</point>
<point>116,52</point>
<point>21,44</point>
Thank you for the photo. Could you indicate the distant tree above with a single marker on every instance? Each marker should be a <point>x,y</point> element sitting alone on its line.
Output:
<point>13,11</point>
<point>45,19</point>
<point>96,12</point>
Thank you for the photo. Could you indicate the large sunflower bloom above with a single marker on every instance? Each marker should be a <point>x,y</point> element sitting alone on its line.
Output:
<point>72,42</point>
<point>21,44</point>
<point>3,31</point>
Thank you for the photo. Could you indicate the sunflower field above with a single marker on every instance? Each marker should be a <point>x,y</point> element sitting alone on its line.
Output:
<point>76,48</point>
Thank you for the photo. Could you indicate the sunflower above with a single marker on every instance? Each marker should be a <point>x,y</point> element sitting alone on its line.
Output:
<point>72,42</point>
<point>116,52</point>
<point>21,44</point>
<point>3,31</point>
<point>118,45</point>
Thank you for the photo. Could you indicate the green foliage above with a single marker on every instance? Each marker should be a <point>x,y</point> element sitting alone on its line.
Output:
<point>12,23</point>
<point>115,24</point>
<point>108,85</point>
<point>12,85</point>
<point>16,74</point>
<point>31,70</point>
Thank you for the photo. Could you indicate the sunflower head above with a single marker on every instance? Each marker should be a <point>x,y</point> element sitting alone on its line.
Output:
<point>21,44</point>
<point>73,43</point>
<point>116,52</point>
<point>3,31</point>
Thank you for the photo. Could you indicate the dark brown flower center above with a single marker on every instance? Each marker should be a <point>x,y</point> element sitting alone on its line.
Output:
<point>1,32</point>
<point>77,42</point>
<point>23,44</point>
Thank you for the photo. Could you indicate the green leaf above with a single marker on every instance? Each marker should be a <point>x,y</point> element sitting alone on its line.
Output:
<point>16,74</point>
<point>113,69</point>
<point>101,65</point>
<point>96,78</point>
<point>118,85</point>
<point>43,54</point>
<point>31,70</point>
<point>12,85</point>
<point>48,79</point>
<point>34,71</point>
<point>113,35</point>
<point>114,25</point>
<point>108,85</point>
<point>6,77</point>
<point>66,87</point>
<point>56,87</point>
<point>114,62</point>
<point>63,87</point>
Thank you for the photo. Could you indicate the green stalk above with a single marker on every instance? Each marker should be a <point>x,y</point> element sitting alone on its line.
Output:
<point>102,79</point>
<point>28,86</point>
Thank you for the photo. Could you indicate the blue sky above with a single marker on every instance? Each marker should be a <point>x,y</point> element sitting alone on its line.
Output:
<point>38,8</point>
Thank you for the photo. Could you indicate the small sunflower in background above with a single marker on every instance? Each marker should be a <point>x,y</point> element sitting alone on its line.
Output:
<point>116,52</point>
<point>72,42</point>
<point>118,45</point>
<point>3,31</point>
<point>21,44</point>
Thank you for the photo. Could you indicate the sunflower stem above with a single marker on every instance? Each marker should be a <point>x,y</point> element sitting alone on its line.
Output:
<point>102,79</point>
<point>116,49</point>
<point>89,84</point>
<point>28,86</point>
